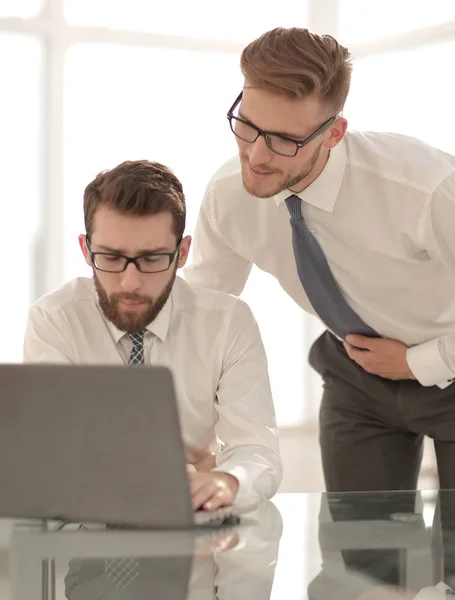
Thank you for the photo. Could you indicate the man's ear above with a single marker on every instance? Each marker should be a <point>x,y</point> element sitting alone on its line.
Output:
<point>83,246</point>
<point>337,131</point>
<point>184,251</point>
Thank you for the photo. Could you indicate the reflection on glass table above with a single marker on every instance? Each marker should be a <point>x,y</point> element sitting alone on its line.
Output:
<point>234,562</point>
<point>359,546</point>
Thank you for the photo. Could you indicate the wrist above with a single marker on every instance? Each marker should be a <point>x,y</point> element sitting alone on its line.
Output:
<point>232,481</point>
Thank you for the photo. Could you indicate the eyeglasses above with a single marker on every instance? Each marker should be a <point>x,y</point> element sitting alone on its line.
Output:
<point>280,144</point>
<point>111,262</point>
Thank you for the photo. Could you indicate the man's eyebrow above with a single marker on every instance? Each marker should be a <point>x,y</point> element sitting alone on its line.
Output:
<point>281,133</point>
<point>111,250</point>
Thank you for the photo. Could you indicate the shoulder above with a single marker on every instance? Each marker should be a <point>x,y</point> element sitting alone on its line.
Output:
<point>399,158</point>
<point>226,185</point>
<point>75,293</point>
<point>229,172</point>
<point>210,305</point>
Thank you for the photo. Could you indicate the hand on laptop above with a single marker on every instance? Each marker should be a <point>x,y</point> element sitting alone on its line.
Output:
<point>210,491</point>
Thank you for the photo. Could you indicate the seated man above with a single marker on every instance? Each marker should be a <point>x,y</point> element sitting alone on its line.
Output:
<point>136,310</point>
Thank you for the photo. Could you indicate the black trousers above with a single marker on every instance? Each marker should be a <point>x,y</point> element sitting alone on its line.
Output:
<point>372,429</point>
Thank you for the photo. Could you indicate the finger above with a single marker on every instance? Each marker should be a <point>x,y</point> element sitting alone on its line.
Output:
<point>203,495</point>
<point>196,482</point>
<point>223,497</point>
<point>366,360</point>
<point>217,501</point>
<point>348,349</point>
<point>353,352</point>
<point>361,341</point>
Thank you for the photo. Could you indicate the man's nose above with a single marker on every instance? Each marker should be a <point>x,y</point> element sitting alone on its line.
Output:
<point>130,278</point>
<point>259,153</point>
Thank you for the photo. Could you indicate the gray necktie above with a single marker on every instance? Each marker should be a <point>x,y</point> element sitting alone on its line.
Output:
<point>317,279</point>
<point>137,352</point>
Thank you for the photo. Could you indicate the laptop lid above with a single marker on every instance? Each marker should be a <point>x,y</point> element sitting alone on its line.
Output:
<point>93,444</point>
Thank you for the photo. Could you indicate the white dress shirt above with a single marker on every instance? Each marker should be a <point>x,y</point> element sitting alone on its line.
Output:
<point>383,211</point>
<point>212,344</point>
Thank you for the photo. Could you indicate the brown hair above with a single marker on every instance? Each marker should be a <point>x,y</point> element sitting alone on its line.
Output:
<point>297,63</point>
<point>136,188</point>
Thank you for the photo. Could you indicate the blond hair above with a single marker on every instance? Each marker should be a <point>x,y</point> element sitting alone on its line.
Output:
<point>297,63</point>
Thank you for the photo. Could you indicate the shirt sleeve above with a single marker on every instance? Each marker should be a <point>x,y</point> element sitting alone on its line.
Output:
<point>47,338</point>
<point>247,570</point>
<point>246,423</point>
<point>433,362</point>
<point>215,265</point>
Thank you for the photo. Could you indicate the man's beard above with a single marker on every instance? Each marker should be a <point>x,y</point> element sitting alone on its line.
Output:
<point>130,321</point>
<point>290,182</point>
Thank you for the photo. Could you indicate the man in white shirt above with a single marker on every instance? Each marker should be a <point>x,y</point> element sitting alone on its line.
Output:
<point>358,229</point>
<point>135,310</point>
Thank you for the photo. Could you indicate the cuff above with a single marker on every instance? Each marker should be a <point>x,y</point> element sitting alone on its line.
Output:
<point>428,366</point>
<point>245,493</point>
<point>429,593</point>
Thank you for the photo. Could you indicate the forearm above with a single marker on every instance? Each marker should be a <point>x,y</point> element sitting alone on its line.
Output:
<point>258,470</point>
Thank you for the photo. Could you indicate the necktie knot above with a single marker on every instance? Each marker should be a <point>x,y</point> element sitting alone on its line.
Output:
<point>294,206</point>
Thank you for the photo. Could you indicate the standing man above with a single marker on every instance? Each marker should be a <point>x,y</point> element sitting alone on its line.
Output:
<point>136,310</point>
<point>358,228</point>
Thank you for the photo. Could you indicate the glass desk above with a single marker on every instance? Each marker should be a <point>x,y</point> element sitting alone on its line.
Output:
<point>359,546</point>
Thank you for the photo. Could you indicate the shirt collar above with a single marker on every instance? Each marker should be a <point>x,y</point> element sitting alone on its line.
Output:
<point>159,327</point>
<point>323,192</point>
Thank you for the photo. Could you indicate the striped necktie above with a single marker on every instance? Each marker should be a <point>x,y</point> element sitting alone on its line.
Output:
<point>123,571</point>
<point>137,352</point>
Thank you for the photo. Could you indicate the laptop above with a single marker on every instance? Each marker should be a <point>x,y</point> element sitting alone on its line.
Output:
<point>96,444</point>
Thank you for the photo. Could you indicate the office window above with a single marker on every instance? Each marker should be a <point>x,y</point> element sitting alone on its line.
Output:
<point>362,21</point>
<point>235,21</point>
<point>128,103</point>
<point>20,184</point>
<point>405,92</point>
<point>19,8</point>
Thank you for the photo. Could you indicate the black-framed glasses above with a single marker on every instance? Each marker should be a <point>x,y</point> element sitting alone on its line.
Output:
<point>112,262</point>
<point>280,144</point>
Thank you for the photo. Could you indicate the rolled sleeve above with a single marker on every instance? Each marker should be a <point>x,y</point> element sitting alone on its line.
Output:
<point>433,361</point>
<point>246,423</point>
